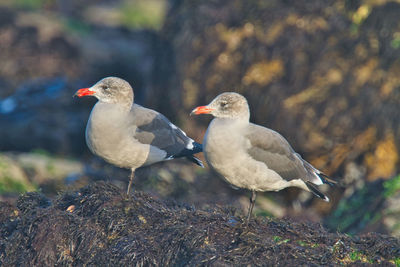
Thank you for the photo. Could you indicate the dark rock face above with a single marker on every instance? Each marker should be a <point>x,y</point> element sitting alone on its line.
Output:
<point>98,226</point>
<point>372,208</point>
<point>40,112</point>
<point>34,46</point>
<point>326,80</point>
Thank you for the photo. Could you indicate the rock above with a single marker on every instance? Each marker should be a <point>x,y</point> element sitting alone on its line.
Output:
<point>47,172</point>
<point>323,78</point>
<point>51,173</point>
<point>42,114</point>
<point>373,207</point>
<point>34,45</point>
<point>43,167</point>
<point>44,63</point>
<point>12,177</point>
<point>105,228</point>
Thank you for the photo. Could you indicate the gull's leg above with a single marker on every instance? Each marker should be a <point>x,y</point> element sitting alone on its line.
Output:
<point>130,182</point>
<point>252,202</point>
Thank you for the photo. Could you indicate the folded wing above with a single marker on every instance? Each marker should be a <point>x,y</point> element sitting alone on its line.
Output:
<point>272,149</point>
<point>156,130</point>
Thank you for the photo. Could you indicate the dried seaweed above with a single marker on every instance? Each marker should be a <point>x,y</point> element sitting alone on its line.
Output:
<point>98,225</point>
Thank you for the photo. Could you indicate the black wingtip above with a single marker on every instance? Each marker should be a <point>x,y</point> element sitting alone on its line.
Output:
<point>197,147</point>
<point>316,192</point>
<point>326,179</point>
<point>188,153</point>
<point>195,161</point>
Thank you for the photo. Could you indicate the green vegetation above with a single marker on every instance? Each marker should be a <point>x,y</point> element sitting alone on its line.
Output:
<point>395,43</point>
<point>30,4</point>
<point>76,26</point>
<point>302,243</point>
<point>340,218</point>
<point>50,167</point>
<point>135,14</point>
<point>305,243</point>
<point>351,215</point>
<point>42,152</point>
<point>143,14</point>
<point>391,186</point>
<point>11,179</point>
<point>356,255</point>
<point>8,184</point>
<point>279,240</point>
<point>264,213</point>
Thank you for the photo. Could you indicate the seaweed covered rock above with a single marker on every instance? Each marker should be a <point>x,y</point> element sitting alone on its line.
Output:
<point>97,225</point>
<point>374,207</point>
<point>324,74</point>
<point>45,60</point>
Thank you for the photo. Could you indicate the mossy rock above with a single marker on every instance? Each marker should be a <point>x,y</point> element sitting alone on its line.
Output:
<point>12,177</point>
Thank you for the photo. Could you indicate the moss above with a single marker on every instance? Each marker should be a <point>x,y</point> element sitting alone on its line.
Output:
<point>344,222</point>
<point>280,240</point>
<point>305,243</point>
<point>395,43</point>
<point>352,213</point>
<point>355,256</point>
<point>42,152</point>
<point>3,163</point>
<point>264,213</point>
<point>32,4</point>
<point>302,243</point>
<point>276,238</point>
<point>8,184</point>
<point>391,186</point>
<point>143,14</point>
<point>50,167</point>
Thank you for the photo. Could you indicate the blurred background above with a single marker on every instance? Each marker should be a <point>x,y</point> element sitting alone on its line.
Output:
<point>325,74</point>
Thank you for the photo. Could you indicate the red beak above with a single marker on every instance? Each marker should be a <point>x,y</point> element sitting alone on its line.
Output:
<point>84,92</point>
<point>201,110</point>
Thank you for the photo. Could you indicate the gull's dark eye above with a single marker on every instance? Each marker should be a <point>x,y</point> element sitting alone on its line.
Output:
<point>223,104</point>
<point>104,87</point>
